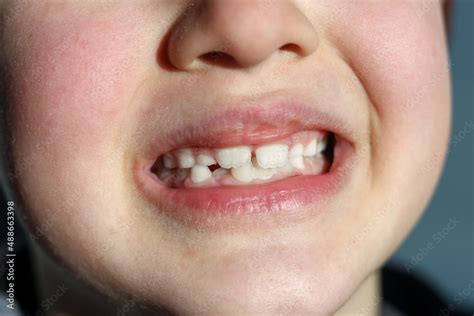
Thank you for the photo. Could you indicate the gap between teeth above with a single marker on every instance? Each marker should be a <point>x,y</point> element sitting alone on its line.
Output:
<point>244,163</point>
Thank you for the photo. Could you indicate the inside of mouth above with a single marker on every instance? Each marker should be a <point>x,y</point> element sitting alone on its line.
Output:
<point>303,153</point>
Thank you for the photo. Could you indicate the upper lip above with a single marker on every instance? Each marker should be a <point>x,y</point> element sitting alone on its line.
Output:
<point>251,121</point>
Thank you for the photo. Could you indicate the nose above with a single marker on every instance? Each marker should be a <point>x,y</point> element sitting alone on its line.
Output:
<point>239,32</point>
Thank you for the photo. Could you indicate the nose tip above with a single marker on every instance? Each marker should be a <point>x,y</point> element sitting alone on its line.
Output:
<point>240,32</point>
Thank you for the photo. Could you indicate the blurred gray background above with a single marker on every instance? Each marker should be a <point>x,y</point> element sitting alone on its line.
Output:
<point>441,248</point>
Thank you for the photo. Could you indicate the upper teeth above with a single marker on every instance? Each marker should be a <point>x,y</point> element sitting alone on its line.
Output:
<point>272,156</point>
<point>310,149</point>
<point>185,158</point>
<point>205,160</point>
<point>233,157</point>
<point>267,159</point>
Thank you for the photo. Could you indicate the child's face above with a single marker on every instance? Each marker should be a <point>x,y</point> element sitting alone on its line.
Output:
<point>99,91</point>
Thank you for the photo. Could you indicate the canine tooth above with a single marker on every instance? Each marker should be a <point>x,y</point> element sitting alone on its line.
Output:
<point>200,173</point>
<point>310,149</point>
<point>272,156</point>
<point>185,158</point>
<point>169,161</point>
<point>233,157</point>
<point>297,162</point>
<point>296,150</point>
<point>205,160</point>
<point>243,173</point>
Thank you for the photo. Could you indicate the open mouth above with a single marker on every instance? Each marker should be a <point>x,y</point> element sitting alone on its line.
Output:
<point>268,157</point>
<point>302,153</point>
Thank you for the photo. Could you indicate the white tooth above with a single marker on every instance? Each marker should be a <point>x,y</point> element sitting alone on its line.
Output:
<point>260,173</point>
<point>287,168</point>
<point>296,150</point>
<point>185,158</point>
<point>200,173</point>
<point>220,172</point>
<point>205,160</point>
<point>310,149</point>
<point>297,162</point>
<point>272,156</point>
<point>322,145</point>
<point>233,157</point>
<point>243,173</point>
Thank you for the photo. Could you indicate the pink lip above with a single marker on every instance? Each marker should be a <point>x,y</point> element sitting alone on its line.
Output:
<point>253,123</point>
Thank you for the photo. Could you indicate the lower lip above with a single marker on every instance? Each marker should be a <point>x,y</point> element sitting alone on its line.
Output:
<point>286,196</point>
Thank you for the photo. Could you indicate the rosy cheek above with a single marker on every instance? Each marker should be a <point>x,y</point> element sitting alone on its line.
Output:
<point>71,85</point>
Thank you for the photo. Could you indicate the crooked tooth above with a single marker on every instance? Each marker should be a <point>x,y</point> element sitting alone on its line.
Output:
<point>185,158</point>
<point>233,157</point>
<point>310,149</point>
<point>200,173</point>
<point>243,173</point>
<point>296,150</point>
<point>272,156</point>
<point>297,162</point>
<point>220,172</point>
<point>260,173</point>
<point>205,160</point>
<point>169,161</point>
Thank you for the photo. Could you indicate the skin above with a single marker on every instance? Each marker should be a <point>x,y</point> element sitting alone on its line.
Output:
<point>81,76</point>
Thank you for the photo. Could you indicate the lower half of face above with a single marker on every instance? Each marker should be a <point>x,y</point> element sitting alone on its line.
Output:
<point>274,175</point>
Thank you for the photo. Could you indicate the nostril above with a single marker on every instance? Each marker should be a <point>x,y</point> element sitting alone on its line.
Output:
<point>218,58</point>
<point>293,48</point>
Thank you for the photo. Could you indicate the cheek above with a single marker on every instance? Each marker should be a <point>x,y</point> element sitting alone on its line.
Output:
<point>398,52</point>
<point>71,85</point>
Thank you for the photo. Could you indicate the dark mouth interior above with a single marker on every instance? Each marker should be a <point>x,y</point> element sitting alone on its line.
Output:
<point>328,155</point>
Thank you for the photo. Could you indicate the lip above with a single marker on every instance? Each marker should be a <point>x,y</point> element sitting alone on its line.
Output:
<point>251,122</point>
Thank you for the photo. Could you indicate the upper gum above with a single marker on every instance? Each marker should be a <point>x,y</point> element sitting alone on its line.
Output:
<point>303,137</point>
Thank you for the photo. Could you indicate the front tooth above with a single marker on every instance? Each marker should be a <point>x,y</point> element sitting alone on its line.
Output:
<point>260,173</point>
<point>185,158</point>
<point>272,156</point>
<point>219,172</point>
<point>233,157</point>
<point>243,173</point>
<point>297,162</point>
<point>310,149</point>
<point>205,160</point>
<point>169,161</point>
<point>200,173</point>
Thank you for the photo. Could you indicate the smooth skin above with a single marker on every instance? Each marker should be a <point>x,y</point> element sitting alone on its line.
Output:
<point>89,82</point>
